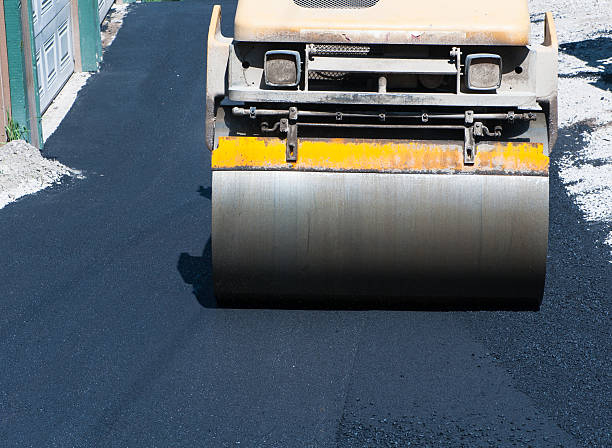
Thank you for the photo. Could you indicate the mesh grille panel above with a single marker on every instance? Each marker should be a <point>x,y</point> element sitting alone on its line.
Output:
<point>330,50</point>
<point>327,76</point>
<point>337,4</point>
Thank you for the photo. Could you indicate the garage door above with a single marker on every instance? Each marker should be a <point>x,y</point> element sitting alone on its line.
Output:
<point>103,7</point>
<point>53,44</point>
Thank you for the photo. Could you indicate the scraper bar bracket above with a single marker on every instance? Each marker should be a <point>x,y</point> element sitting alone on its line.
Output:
<point>477,129</point>
<point>289,126</point>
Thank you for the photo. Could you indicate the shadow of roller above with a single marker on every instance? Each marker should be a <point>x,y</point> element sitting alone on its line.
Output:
<point>197,272</point>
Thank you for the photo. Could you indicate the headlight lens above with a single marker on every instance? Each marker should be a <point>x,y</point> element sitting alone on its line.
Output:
<point>483,71</point>
<point>282,68</point>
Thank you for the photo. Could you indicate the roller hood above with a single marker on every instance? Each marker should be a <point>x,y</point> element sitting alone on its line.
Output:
<point>470,22</point>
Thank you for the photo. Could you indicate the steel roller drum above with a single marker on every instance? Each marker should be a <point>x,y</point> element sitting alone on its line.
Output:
<point>285,234</point>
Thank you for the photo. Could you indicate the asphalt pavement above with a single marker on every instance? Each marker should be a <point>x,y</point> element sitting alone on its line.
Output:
<point>110,336</point>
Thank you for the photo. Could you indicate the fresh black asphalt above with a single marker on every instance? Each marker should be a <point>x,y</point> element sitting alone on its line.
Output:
<point>109,334</point>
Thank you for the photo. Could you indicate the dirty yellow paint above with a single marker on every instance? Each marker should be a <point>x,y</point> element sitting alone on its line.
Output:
<point>473,22</point>
<point>379,156</point>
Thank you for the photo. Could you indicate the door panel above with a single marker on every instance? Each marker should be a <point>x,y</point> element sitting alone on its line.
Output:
<point>54,55</point>
<point>103,8</point>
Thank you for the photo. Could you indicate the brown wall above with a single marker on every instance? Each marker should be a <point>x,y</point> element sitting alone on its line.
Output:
<point>76,35</point>
<point>5,93</point>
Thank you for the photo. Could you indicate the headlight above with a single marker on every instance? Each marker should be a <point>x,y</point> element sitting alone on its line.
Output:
<point>483,71</point>
<point>282,68</point>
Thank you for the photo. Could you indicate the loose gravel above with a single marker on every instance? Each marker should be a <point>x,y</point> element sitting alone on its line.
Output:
<point>23,171</point>
<point>585,96</point>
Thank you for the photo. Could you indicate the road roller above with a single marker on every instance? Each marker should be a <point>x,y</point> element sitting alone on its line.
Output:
<point>380,149</point>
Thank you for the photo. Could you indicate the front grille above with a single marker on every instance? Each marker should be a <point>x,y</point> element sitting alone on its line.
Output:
<point>339,50</point>
<point>336,4</point>
<point>327,76</point>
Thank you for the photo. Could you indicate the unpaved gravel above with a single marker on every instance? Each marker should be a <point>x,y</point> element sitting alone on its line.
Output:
<point>585,97</point>
<point>23,170</point>
<point>575,19</point>
<point>112,24</point>
<point>57,110</point>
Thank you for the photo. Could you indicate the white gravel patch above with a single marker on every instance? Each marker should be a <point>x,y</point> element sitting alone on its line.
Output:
<point>580,101</point>
<point>575,19</point>
<point>113,23</point>
<point>587,176</point>
<point>587,173</point>
<point>591,184</point>
<point>23,171</point>
<point>62,103</point>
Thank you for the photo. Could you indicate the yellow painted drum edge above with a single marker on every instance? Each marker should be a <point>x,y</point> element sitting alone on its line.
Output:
<point>384,156</point>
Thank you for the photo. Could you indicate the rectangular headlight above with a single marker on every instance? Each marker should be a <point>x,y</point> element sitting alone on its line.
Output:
<point>483,71</point>
<point>282,68</point>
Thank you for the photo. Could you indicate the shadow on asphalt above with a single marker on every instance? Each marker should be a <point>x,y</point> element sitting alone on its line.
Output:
<point>197,272</point>
<point>205,192</point>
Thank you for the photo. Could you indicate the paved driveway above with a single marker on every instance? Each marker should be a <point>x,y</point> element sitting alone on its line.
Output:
<point>109,335</point>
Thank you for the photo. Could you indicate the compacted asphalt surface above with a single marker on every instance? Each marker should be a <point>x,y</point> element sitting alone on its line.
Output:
<point>110,335</point>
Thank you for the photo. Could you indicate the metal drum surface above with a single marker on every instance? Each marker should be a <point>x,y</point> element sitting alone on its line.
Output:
<point>329,234</point>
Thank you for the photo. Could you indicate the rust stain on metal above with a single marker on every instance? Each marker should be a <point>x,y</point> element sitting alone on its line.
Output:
<point>257,153</point>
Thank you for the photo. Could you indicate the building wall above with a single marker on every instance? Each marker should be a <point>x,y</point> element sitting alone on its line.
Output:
<point>20,58</point>
<point>5,88</point>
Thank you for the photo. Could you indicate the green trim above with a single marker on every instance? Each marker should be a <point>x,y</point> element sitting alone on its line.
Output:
<point>38,116</point>
<point>19,102</point>
<point>89,29</point>
<point>17,64</point>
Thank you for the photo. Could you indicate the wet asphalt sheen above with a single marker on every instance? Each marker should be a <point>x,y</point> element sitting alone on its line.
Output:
<point>109,335</point>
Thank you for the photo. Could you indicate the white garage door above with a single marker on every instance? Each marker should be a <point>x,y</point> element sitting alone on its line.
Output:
<point>53,44</point>
<point>103,7</point>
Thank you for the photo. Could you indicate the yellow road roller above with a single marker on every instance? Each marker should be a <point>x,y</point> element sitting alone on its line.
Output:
<point>380,149</point>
